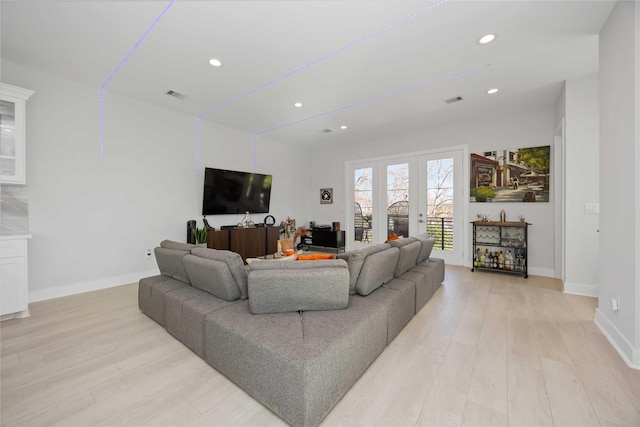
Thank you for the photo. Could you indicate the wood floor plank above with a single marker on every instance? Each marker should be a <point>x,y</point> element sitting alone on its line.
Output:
<point>445,403</point>
<point>528,401</point>
<point>568,400</point>
<point>488,386</point>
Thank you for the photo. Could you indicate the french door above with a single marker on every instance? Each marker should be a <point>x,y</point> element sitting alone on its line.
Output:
<point>441,203</point>
<point>407,196</point>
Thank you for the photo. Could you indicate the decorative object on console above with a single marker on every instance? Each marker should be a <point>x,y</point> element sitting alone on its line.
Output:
<point>269,220</point>
<point>201,235</point>
<point>191,236</point>
<point>326,196</point>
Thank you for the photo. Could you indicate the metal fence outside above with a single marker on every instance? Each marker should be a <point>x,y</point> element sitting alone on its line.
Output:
<point>442,230</point>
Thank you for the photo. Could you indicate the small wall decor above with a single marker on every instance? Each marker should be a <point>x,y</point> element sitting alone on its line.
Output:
<point>326,196</point>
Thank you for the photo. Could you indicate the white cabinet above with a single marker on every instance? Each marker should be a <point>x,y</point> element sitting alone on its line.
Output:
<point>12,133</point>
<point>13,277</point>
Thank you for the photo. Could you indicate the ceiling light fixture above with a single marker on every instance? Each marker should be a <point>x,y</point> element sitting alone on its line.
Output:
<point>492,91</point>
<point>487,39</point>
<point>343,127</point>
<point>215,62</point>
<point>298,104</point>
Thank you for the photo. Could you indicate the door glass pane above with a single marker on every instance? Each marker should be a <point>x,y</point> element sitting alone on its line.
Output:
<point>363,206</point>
<point>440,197</point>
<point>398,199</point>
<point>7,139</point>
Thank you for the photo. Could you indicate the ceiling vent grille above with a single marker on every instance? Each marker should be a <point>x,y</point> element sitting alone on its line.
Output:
<point>326,131</point>
<point>454,99</point>
<point>176,94</point>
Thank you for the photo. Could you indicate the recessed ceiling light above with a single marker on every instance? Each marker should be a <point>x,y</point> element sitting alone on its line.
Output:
<point>298,104</point>
<point>343,127</point>
<point>492,91</point>
<point>215,62</point>
<point>487,39</point>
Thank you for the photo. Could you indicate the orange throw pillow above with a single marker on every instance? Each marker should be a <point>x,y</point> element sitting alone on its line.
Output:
<point>394,236</point>
<point>313,257</point>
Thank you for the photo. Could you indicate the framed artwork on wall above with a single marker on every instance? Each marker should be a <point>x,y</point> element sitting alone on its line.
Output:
<point>326,196</point>
<point>514,175</point>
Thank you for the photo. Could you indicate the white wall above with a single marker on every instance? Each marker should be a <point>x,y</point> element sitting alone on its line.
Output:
<point>92,224</point>
<point>529,128</point>
<point>581,169</point>
<point>619,180</point>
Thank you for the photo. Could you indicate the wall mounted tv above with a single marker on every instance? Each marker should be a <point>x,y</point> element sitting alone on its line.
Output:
<point>235,192</point>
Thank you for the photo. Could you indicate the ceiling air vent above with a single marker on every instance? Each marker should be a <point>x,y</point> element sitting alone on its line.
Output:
<point>454,99</point>
<point>176,94</point>
<point>326,131</point>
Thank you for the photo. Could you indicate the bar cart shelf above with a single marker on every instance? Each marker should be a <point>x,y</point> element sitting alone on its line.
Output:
<point>501,246</point>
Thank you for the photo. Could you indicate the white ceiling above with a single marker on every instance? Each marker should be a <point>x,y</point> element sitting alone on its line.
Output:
<point>399,76</point>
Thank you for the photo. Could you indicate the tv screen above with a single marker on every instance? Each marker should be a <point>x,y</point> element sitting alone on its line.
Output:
<point>235,192</point>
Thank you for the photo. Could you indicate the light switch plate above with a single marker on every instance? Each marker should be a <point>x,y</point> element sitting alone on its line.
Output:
<point>591,208</point>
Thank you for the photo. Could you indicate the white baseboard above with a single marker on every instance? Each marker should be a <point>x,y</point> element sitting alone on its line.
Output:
<point>94,285</point>
<point>629,354</point>
<point>580,289</point>
<point>544,272</point>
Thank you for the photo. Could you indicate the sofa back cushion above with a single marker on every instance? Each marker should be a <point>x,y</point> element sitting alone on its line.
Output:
<point>211,276</point>
<point>170,263</point>
<point>377,269</point>
<point>172,244</point>
<point>427,245</point>
<point>409,250</point>
<point>280,287</point>
<point>234,262</point>
<point>355,261</point>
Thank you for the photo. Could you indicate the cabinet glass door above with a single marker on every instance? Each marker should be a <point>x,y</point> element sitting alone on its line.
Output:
<point>8,140</point>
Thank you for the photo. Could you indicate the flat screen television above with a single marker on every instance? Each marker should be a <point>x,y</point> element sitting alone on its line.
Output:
<point>235,192</point>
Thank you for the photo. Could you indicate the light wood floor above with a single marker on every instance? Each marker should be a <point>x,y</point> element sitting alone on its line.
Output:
<point>488,349</point>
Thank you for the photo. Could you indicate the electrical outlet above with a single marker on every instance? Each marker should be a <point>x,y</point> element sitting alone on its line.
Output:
<point>615,302</point>
<point>147,254</point>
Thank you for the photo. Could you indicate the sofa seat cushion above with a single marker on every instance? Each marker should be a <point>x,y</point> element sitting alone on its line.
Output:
<point>409,250</point>
<point>427,246</point>
<point>276,287</point>
<point>152,292</point>
<point>377,269</point>
<point>423,281</point>
<point>398,299</point>
<point>297,364</point>
<point>438,265</point>
<point>211,276</point>
<point>186,310</point>
<point>234,263</point>
<point>355,261</point>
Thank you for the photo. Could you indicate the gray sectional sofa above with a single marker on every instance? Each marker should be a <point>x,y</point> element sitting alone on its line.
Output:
<point>295,335</point>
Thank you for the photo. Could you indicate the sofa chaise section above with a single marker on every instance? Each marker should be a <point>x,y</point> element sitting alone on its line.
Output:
<point>298,364</point>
